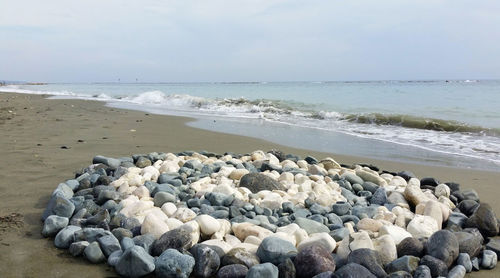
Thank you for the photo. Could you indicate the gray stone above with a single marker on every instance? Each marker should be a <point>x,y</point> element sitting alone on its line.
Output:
<point>404,263</point>
<point>256,182</point>
<point>365,211</point>
<point>265,270</point>
<point>470,243</point>
<point>76,248</point>
<point>172,263</point>
<point>207,261</point>
<point>475,263</point>
<point>114,257</point>
<point>275,250</point>
<point>91,234</point>
<point>121,233</point>
<point>60,206</point>
<point>163,197</point>
<point>353,270</point>
<point>369,259</point>
<point>468,207</point>
<point>422,271</point>
<point>64,237</point>
<point>143,162</point>
<point>457,272</point>
<point>72,184</point>
<point>485,220</point>
<point>339,234</point>
<point>126,243</point>
<point>93,253</point>
<point>318,209</point>
<point>352,178</point>
<point>101,216</point>
<point>193,164</point>
<point>145,241</point>
<point>443,245</point>
<point>135,262</point>
<point>464,260</point>
<point>232,271</point>
<point>179,239</point>
<point>400,274</point>
<point>109,244</point>
<point>489,259</point>
<point>470,194</point>
<point>436,266</point>
<point>112,163</point>
<point>313,260</point>
<point>240,256</point>
<point>456,219</point>
<point>341,208</point>
<point>311,226</point>
<point>216,198</point>
<point>63,190</point>
<point>53,224</point>
<point>326,274</point>
<point>357,187</point>
<point>370,186</point>
<point>379,197</point>
<point>106,195</point>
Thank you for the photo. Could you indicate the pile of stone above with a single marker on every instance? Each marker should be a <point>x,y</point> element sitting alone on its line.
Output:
<point>268,215</point>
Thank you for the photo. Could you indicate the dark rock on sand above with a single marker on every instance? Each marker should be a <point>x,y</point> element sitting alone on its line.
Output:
<point>232,271</point>
<point>443,245</point>
<point>410,246</point>
<point>436,266</point>
<point>178,239</point>
<point>135,262</point>
<point>353,270</point>
<point>485,220</point>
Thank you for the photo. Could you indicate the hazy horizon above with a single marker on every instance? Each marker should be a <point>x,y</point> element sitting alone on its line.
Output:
<point>248,41</point>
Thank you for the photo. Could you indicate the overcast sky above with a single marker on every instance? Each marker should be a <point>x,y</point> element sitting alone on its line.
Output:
<point>260,40</point>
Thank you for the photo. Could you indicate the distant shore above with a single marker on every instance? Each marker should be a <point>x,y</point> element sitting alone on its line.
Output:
<point>45,141</point>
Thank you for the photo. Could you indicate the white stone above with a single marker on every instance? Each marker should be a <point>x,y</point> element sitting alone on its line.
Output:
<point>243,230</point>
<point>397,233</point>
<point>368,224</point>
<point>316,170</point>
<point>236,174</point>
<point>368,175</point>
<point>150,173</point>
<point>253,240</point>
<point>154,226</point>
<point>173,223</point>
<point>422,226</point>
<point>386,248</point>
<point>360,240</point>
<point>184,214</point>
<point>141,192</point>
<point>322,239</point>
<point>414,194</point>
<point>232,240</point>
<point>224,246</point>
<point>434,210</point>
<point>169,209</point>
<point>194,229</point>
<point>330,163</point>
<point>288,237</point>
<point>442,190</point>
<point>302,164</point>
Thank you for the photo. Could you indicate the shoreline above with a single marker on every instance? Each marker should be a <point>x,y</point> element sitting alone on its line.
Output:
<point>30,172</point>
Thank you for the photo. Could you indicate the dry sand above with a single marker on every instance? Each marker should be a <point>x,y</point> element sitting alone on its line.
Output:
<point>40,148</point>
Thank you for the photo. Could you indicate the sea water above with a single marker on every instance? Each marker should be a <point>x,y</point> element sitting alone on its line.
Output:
<point>443,122</point>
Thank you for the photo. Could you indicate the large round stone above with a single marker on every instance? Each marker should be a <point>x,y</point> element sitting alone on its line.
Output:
<point>172,263</point>
<point>369,259</point>
<point>135,262</point>
<point>179,239</point>
<point>443,245</point>
<point>207,261</point>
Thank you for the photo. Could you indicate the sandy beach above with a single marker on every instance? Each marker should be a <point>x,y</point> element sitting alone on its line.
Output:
<point>45,141</point>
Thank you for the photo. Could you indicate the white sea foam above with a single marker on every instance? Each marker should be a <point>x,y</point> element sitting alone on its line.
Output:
<point>475,145</point>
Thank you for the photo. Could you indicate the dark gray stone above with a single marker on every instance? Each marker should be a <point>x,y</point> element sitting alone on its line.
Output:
<point>287,269</point>
<point>135,262</point>
<point>53,224</point>
<point>400,274</point>
<point>339,234</point>
<point>240,256</point>
<point>232,271</point>
<point>443,245</point>
<point>107,195</point>
<point>429,181</point>
<point>275,250</point>
<point>436,266</point>
<point>404,263</point>
<point>456,219</point>
<point>422,271</point>
<point>207,261</point>
<point>265,270</point>
<point>93,253</point>
<point>126,243</point>
<point>369,259</point>
<point>179,239</point>
<point>121,233</point>
<point>313,260</point>
<point>76,248</point>
<point>468,207</point>
<point>352,178</point>
<point>256,182</point>
<point>370,186</point>
<point>101,216</point>
<point>470,194</point>
<point>326,274</point>
<point>485,220</point>
<point>379,197</point>
<point>60,206</point>
<point>112,163</point>
<point>163,197</point>
<point>353,270</point>
<point>410,246</point>
<point>494,245</point>
<point>143,162</point>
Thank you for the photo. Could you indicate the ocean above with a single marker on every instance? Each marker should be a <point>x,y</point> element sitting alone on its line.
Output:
<point>448,123</point>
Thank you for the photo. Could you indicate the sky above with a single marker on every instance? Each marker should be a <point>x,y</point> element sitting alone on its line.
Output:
<point>259,40</point>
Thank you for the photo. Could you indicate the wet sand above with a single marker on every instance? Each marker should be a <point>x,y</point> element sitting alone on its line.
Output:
<point>43,142</point>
